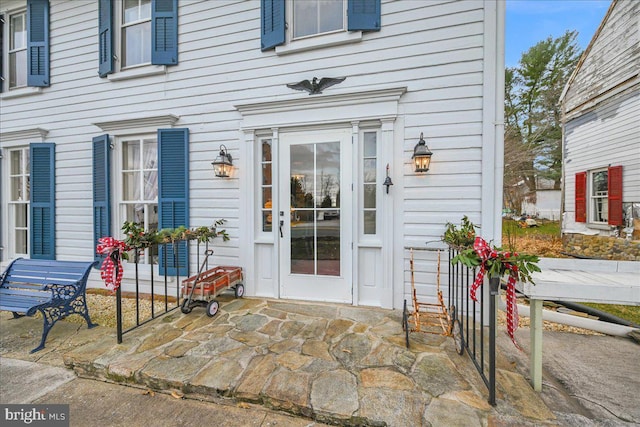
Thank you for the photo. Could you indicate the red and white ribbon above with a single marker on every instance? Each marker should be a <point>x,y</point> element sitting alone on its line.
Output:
<point>111,270</point>
<point>486,253</point>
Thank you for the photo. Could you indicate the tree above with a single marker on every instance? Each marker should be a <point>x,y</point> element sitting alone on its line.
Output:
<point>533,130</point>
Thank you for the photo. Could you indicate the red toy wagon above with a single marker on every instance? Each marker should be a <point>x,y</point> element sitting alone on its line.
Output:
<point>204,287</point>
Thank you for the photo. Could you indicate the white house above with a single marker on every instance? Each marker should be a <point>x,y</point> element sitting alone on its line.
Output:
<point>114,111</point>
<point>601,108</point>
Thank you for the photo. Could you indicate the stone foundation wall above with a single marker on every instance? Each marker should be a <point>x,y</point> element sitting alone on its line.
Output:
<point>601,247</point>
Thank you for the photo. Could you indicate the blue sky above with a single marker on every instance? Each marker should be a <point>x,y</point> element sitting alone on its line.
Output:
<point>530,21</point>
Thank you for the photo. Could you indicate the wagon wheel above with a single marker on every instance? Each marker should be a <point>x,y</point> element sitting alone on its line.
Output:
<point>186,308</point>
<point>212,308</point>
<point>239,290</point>
<point>456,330</point>
<point>405,324</point>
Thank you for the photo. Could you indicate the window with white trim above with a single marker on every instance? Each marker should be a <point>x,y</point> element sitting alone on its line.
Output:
<point>137,194</point>
<point>135,34</point>
<point>17,50</point>
<point>19,182</point>
<point>598,194</point>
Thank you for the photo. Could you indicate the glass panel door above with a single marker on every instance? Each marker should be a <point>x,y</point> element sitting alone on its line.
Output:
<point>315,225</point>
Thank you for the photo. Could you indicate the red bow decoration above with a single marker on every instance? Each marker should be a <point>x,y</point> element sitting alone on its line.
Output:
<point>111,270</point>
<point>486,253</point>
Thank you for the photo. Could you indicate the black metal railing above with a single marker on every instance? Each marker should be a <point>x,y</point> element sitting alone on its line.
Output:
<point>159,288</point>
<point>478,320</point>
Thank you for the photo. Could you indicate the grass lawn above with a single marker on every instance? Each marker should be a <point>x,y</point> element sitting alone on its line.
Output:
<point>627,312</point>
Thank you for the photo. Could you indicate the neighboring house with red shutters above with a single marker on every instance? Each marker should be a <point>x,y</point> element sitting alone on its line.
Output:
<point>601,152</point>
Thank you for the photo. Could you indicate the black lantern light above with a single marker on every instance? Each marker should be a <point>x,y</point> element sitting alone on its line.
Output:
<point>223,163</point>
<point>421,156</point>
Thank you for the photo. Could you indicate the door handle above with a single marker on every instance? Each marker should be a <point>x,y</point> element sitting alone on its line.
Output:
<point>281,224</point>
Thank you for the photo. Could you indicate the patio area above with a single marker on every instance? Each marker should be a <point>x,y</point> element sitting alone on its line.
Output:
<point>333,363</point>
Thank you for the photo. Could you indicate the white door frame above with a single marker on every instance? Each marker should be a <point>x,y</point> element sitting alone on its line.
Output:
<point>341,108</point>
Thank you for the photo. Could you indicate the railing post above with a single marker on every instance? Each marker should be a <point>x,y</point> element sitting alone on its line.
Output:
<point>119,315</point>
<point>494,285</point>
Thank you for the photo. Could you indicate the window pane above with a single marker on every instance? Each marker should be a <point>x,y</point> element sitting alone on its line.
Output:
<point>18,68</point>
<point>266,150</point>
<point>21,214</point>
<point>136,44</point>
<point>305,15</point>
<point>266,174</point>
<point>266,198</point>
<point>370,144</point>
<point>369,174</point>
<point>21,242</point>
<point>16,189</point>
<point>150,185</point>
<point>150,153</point>
<point>130,155</point>
<point>369,196</point>
<point>370,222</point>
<point>145,9</point>
<point>131,11</point>
<point>130,186</point>
<point>302,242</point>
<point>267,219</point>
<point>330,15</point>
<point>18,32</point>
<point>16,162</point>
<point>600,183</point>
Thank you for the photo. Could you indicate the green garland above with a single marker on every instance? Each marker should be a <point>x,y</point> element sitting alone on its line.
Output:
<point>462,239</point>
<point>139,238</point>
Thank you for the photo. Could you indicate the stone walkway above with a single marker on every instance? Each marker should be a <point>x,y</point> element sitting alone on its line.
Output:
<point>331,363</point>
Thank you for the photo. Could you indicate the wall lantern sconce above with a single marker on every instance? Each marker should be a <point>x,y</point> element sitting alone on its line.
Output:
<point>421,156</point>
<point>223,164</point>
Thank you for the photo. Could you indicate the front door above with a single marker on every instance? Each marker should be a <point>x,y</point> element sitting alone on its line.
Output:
<point>315,216</point>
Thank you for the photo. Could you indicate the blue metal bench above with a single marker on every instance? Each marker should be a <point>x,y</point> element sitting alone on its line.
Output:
<point>54,288</point>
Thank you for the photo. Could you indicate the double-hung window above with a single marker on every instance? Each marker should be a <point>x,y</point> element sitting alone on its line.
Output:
<point>19,182</point>
<point>599,210</point>
<point>26,61</point>
<point>307,24</point>
<point>136,33</point>
<point>598,196</point>
<point>138,195</point>
<point>150,187</point>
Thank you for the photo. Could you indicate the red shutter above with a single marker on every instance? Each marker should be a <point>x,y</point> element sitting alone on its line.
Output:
<point>615,195</point>
<point>581,197</point>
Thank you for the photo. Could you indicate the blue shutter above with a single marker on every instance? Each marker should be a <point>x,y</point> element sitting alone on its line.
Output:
<point>173,193</point>
<point>42,201</point>
<point>37,42</point>
<point>164,32</point>
<point>272,20</point>
<point>363,15</point>
<point>101,190</point>
<point>105,37</point>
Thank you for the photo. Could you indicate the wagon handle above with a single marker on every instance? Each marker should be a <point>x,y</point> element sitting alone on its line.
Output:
<point>208,252</point>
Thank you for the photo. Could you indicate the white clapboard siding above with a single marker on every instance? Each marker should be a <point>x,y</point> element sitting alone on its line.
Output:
<point>436,49</point>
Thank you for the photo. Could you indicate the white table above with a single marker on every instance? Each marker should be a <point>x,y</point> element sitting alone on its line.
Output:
<point>580,280</point>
